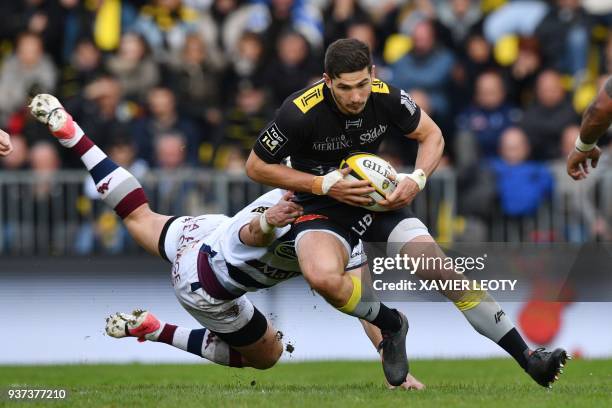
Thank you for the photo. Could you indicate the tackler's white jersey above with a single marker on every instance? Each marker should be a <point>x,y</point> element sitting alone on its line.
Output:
<point>239,267</point>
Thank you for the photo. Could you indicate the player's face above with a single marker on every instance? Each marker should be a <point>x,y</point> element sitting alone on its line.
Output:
<point>351,90</point>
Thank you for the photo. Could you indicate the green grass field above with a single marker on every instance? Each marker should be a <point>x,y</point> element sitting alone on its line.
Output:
<point>457,383</point>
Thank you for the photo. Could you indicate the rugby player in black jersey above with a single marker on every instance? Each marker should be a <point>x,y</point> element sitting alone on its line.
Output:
<point>215,259</point>
<point>348,111</point>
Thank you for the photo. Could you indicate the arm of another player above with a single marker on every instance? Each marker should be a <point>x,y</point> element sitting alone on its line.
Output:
<point>5,143</point>
<point>260,231</point>
<point>595,122</point>
<point>431,147</point>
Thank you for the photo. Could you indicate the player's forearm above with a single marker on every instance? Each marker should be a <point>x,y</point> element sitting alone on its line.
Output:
<point>279,175</point>
<point>596,119</point>
<point>430,152</point>
<point>252,234</point>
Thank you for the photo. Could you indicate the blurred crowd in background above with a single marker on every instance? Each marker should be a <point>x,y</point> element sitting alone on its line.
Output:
<point>174,84</point>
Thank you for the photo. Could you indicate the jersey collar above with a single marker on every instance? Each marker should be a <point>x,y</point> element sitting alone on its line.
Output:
<point>329,98</point>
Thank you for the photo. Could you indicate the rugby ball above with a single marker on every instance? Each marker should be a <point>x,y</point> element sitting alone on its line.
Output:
<point>367,166</point>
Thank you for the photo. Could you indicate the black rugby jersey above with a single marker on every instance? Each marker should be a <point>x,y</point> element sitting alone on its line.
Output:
<point>310,128</point>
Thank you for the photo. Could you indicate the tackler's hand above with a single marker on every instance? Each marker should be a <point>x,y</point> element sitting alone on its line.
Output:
<point>284,212</point>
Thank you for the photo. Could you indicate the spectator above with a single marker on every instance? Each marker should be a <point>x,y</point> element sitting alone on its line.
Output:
<point>101,110</point>
<point>247,63</point>
<point>461,18</point>
<point>515,17</point>
<point>29,69</point>
<point>486,119</point>
<point>41,17</point>
<point>221,27</point>
<point>584,220</point>
<point>243,122</point>
<point>46,193</point>
<point>294,64</point>
<point>170,151</point>
<point>85,67</point>
<point>475,59</point>
<point>403,16</point>
<point>524,71</point>
<point>165,24</point>
<point>170,156</point>
<point>546,118</point>
<point>522,185</point>
<point>196,80</point>
<point>337,17</point>
<point>133,67</point>
<point>103,22</point>
<point>18,159</point>
<point>271,18</point>
<point>164,118</point>
<point>565,31</point>
<point>364,31</point>
<point>427,67</point>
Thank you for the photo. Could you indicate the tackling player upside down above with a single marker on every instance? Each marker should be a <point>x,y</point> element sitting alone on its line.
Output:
<point>215,259</point>
<point>350,111</point>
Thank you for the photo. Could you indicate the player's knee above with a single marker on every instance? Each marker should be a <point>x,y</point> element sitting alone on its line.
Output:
<point>330,287</point>
<point>325,278</point>
<point>269,360</point>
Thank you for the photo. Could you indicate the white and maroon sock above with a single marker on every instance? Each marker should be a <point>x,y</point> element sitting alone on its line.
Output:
<point>116,186</point>
<point>201,342</point>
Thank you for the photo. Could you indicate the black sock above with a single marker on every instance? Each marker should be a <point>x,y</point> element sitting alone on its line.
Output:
<point>514,344</point>
<point>387,319</point>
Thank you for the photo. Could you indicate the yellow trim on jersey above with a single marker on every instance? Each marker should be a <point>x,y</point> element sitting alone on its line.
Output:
<point>379,86</point>
<point>309,98</point>
<point>352,163</point>
<point>470,300</point>
<point>355,298</point>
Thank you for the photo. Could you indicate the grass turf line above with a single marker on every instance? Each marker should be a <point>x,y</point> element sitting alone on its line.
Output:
<point>453,383</point>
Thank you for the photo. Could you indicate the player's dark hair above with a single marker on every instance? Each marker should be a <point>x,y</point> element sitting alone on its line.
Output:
<point>347,55</point>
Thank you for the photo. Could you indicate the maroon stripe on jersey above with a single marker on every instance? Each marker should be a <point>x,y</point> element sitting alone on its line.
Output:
<point>83,146</point>
<point>131,202</point>
<point>209,281</point>
<point>167,334</point>
<point>235,358</point>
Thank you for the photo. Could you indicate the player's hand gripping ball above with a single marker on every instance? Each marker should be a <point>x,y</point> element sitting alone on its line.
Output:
<point>370,167</point>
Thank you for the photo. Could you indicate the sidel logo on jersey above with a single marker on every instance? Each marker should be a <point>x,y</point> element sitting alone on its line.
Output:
<point>372,134</point>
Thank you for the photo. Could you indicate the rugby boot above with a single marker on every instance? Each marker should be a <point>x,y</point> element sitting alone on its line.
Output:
<point>47,109</point>
<point>546,366</point>
<point>140,323</point>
